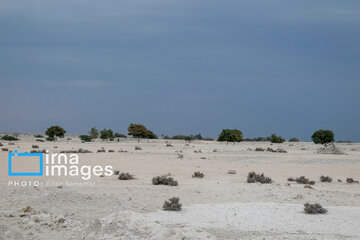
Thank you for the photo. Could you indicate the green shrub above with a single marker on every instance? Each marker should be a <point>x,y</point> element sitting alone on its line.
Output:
<point>85,138</point>
<point>294,140</point>
<point>314,208</point>
<point>230,135</point>
<point>253,178</point>
<point>276,139</point>
<point>140,131</point>
<point>323,136</point>
<point>39,136</point>
<point>172,205</point>
<point>9,138</point>
<point>50,139</point>
<point>55,131</point>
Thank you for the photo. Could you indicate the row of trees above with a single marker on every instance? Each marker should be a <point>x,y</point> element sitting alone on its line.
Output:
<point>140,131</point>
<point>234,135</point>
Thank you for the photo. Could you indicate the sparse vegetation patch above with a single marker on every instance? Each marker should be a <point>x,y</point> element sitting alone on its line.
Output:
<point>172,205</point>
<point>198,175</point>
<point>254,178</point>
<point>164,180</point>
<point>304,180</point>
<point>314,208</point>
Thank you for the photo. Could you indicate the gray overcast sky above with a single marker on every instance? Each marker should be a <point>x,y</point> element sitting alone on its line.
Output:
<point>285,67</point>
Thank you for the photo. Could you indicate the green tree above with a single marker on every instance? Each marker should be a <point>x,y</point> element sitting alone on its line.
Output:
<point>140,131</point>
<point>230,135</point>
<point>276,139</point>
<point>55,131</point>
<point>106,134</point>
<point>94,133</point>
<point>323,136</point>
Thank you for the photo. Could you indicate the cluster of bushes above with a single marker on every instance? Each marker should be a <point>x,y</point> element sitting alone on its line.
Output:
<point>80,150</point>
<point>164,180</point>
<point>254,178</point>
<point>258,139</point>
<point>325,179</point>
<point>314,208</point>
<point>107,134</point>
<point>186,138</point>
<point>302,180</point>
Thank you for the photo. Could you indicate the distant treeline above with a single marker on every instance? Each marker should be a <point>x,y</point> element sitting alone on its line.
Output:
<point>320,136</point>
<point>189,138</point>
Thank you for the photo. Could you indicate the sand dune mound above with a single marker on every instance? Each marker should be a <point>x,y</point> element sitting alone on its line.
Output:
<point>330,149</point>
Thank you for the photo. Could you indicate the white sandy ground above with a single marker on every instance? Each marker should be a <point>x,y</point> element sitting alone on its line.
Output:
<point>219,206</point>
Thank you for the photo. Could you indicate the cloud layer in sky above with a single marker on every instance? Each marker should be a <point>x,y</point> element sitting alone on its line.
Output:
<point>181,66</point>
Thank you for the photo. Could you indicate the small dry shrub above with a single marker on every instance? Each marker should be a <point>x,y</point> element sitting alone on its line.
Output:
<point>198,175</point>
<point>325,179</point>
<point>81,150</point>
<point>1,144</point>
<point>164,180</point>
<point>253,178</point>
<point>172,205</point>
<point>138,148</point>
<point>125,176</point>
<point>5,149</point>
<point>290,179</point>
<point>304,180</point>
<point>180,155</point>
<point>258,149</point>
<point>351,180</point>
<point>314,208</point>
<point>10,143</point>
<point>111,150</point>
<point>169,145</point>
<point>101,151</point>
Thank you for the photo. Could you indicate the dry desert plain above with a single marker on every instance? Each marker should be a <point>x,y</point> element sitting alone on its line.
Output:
<point>218,206</point>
